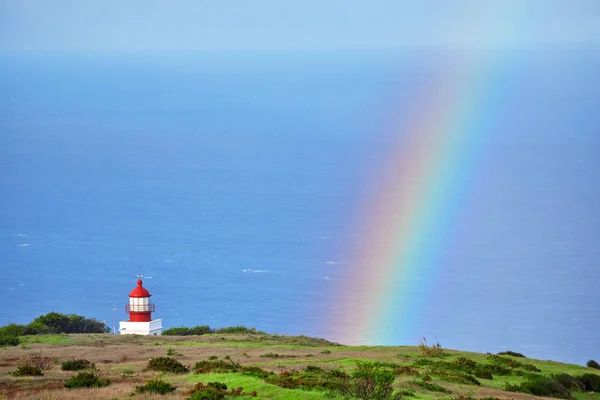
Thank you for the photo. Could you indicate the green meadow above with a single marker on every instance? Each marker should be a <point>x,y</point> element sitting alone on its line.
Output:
<point>265,366</point>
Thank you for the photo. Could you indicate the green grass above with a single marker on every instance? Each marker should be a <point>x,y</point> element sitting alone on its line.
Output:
<point>251,384</point>
<point>56,339</point>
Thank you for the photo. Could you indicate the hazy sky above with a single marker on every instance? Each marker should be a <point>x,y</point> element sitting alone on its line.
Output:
<point>106,25</point>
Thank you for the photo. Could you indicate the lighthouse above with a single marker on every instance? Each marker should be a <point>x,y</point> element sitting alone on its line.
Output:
<point>140,311</point>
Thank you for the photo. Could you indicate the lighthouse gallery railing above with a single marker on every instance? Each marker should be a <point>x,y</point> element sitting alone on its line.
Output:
<point>129,308</point>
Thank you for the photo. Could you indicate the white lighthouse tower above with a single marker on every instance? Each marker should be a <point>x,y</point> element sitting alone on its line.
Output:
<point>140,311</point>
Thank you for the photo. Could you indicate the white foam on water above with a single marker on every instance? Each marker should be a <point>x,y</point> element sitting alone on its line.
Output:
<point>23,245</point>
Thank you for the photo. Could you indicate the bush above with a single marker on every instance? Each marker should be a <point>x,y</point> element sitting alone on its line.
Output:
<point>172,352</point>
<point>12,330</point>
<point>370,380</point>
<point>204,367</point>
<point>569,382</point>
<point>207,393</point>
<point>591,382</point>
<point>217,385</point>
<point>510,363</point>
<point>185,331</point>
<point>166,364</point>
<point>483,374</point>
<point>54,322</point>
<point>155,386</point>
<point>8,340</point>
<point>430,386</point>
<point>86,380</point>
<point>466,363</point>
<point>237,329</point>
<point>28,370</point>
<point>511,353</point>
<point>215,391</point>
<point>406,370</point>
<point>76,365</point>
<point>593,364</point>
<point>541,386</point>
<point>455,377</point>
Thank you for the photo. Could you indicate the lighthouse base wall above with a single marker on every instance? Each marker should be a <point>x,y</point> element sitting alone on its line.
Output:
<point>153,328</point>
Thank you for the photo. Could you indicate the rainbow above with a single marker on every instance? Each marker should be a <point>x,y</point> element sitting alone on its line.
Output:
<point>423,188</point>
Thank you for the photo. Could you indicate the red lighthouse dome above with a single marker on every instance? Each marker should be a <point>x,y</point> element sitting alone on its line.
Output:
<point>140,308</point>
<point>140,291</point>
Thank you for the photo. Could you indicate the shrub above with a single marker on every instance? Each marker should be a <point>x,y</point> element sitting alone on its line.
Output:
<point>455,376</point>
<point>541,386</point>
<point>54,322</point>
<point>593,364</point>
<point>166,364</point>
<point>28,370</point>
<point>430,386</point>
<point>510,363</point>
<point>406,370</point>
<point>372,381</point>
<point>215,391</point>
<point>483,374</point>
<point>591,382</point>
<point>237,329</point>
<point>155,386</point>
<point>569,382</point>
<point>511,353</point>
<point>185,331</point>
<point>433,350</point>
<point>172,352</point>
<point>86,380</point>
<point>76,365</point>
<point>326,351</point>
<point>217,385</point>
<point>466,363</point>
<point>204,367</point>
<point>12,330</point>
<point>8,340</point>
<point>207,393</point>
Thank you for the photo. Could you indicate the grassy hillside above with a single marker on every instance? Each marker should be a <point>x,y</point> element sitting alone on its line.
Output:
<point>279,367</point>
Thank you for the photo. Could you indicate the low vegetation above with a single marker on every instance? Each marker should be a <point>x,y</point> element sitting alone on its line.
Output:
<point>156,386</point>
<point>52,322</point>
<point>87,380</point>
<point>28,370</point>
<point>205,330</point>
<point>236,365</point>
<point>593,364</point>
<point>216,391</point>
<point>41,360</point>
<point>433,351</point>
<point>511,353</point>
<point>76,365</point>
<point>166,364</point>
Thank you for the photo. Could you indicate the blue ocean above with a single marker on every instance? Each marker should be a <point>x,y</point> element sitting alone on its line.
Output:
<point>231,181</point>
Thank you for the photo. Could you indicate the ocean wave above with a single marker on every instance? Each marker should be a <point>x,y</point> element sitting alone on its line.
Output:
<point>23,245</point>
<point>254,271</point>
